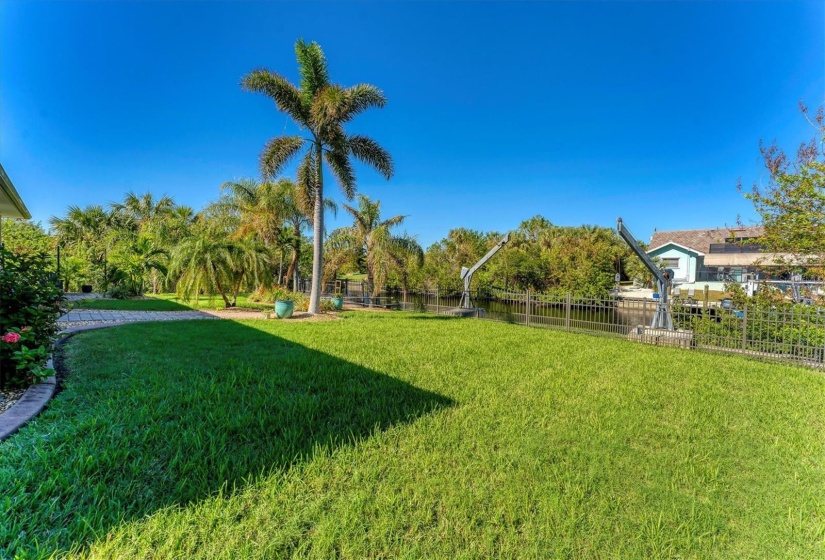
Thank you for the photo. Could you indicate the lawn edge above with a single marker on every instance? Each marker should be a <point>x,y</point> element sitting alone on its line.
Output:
<point>32,403</point>
<point>36,397</point>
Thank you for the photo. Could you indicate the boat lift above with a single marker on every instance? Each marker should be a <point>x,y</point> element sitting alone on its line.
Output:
<point>796,291</point>
<point>662,318</point>
<point>467,273</point>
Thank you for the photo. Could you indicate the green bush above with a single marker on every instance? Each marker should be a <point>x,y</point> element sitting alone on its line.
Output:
<point>119,291</point>
<point>301,301</point>
<point>271,295</point>
<point>29,309</point>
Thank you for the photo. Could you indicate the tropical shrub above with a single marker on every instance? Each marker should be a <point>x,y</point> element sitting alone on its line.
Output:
<point>301,300</point>
<point>29,309</point>
<point>119,291</point>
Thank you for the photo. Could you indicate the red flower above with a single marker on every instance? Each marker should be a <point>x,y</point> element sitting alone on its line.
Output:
<point>11,337</point>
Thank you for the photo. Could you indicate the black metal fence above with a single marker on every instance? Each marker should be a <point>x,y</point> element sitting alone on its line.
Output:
<point>790,333</point>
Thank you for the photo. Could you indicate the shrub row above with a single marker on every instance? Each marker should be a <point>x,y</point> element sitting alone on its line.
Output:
<point>29,309</point>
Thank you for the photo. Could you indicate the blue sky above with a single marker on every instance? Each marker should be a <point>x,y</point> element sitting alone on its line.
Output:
<point>580,112</point>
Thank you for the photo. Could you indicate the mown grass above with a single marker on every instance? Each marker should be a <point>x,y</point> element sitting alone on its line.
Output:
<point>394,435</point>
<point>166,302</point>
<point>149,304</point>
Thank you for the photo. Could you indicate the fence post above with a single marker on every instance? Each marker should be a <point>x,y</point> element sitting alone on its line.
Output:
<point>745,328</point>
<point>527,308</point>
<point>567,313</point>
<point>437,310</point>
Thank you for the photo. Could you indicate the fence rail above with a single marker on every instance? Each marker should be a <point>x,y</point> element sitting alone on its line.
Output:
<point>789,333</point>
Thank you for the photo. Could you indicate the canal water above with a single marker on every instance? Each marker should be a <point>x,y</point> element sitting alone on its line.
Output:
<point>604,315</point>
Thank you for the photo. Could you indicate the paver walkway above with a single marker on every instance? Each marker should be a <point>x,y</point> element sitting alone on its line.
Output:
<point>94,317</point>
<point>90,316</point>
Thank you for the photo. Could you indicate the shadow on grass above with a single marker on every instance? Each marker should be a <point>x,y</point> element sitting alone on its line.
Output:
<point>166,414</point>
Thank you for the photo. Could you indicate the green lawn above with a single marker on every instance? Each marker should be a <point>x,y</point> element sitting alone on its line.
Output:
<point>149,304</point>
<point>409,436</point>
<point>166,302</point>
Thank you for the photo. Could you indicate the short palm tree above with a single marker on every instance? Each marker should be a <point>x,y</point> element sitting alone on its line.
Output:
<point>259,214</point>
<point>270,212</point>
<point>373,238</point>
<point>207,261</point>
<point>144,216</point>
<point>140,258</point>
<point>87,232</point>
<point>321,108</point>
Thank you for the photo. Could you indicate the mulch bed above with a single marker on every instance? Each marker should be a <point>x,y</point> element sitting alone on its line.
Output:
<point>8,397</point>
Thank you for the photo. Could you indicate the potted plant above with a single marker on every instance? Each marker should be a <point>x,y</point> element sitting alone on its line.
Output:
<point>337,301</point>
<point>284,304</point>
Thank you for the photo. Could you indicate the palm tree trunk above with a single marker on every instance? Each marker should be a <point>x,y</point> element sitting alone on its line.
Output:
<point>290,271</point>
<point>280,266</point>
<point>318,232</point>
<point>222,292</point>
<point>296,254</point>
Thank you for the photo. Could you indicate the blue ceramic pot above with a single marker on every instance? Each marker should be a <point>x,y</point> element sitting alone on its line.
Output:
<point>284,309</point>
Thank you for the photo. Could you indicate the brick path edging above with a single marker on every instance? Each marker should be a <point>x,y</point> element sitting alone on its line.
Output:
<point>30,405</point>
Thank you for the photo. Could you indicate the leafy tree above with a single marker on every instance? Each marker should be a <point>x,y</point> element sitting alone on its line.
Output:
<point>792,201</point>
<point>88,233</point>
<point>321,108</point>
<point>461,247</point>
<point>26,237</point>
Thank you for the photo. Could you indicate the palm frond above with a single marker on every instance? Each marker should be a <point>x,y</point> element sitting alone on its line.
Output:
<point>394,221</point>
<point>241,192</point>
<point>307,180</point>
<point>313,68</point>
<point>330,205</point>
<point>286,96</point>
<point>408,246</point>
<point>328,107</point>
<point>368,151</point>
<point>361,97</point>
<point>277,153</point>
<point>341,167</point>
<point>362,221</point>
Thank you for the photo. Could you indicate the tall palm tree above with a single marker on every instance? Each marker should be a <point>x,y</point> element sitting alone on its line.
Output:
<point>321,108</point>
<point>296,219</point>
<point>373,238</point>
